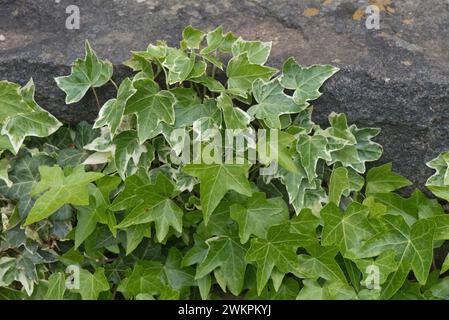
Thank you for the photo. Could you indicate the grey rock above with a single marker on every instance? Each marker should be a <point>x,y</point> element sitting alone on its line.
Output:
<point>395,78</point>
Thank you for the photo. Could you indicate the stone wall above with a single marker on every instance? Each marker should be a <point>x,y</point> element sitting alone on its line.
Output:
<point>395,78</point>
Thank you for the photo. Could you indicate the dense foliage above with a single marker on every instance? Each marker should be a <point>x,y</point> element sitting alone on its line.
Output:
<point>125,208</point>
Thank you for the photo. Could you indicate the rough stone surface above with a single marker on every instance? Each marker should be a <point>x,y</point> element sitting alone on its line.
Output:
<point>395,78</point>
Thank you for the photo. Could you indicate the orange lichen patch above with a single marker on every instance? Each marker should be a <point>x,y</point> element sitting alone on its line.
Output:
<point>384,5</point>
<point>327,2</point>
<point>358,14</point>
<point>408,21</point>
<point>310,12</point>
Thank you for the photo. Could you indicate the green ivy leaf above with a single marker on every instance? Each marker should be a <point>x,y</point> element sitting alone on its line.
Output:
<point>60,188</point>
<point>227,254</point>
<point>413,247</point>
<point>258,214</point>
<point>150,203</point>
<point>91,285</point>
<point>382,180</point>
<point>347,230</point>
<point>339,182</point>
<point>277,250</point>
<point>216,180</point>
<point>151,107</point>
<point>88,73</point>
<point>56,287</point>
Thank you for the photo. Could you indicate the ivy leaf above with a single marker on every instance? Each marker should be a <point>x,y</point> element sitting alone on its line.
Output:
<point>385,264</point>
<point>179,65</point>
<point>60,188</point>
<point>304,225</point>
<point>272,102</point>
<point>339,182</point>
<point>301,192</point>
<point>258,214</point>
<point>56,287</point>
<point>111,113</point>
<point>216,180</point>
<point>241,73</point>
<point>127,148</point>
<point>214,39</point>
<point>27,118</point>
<point>347,230</point>
<point>382,180</point>
<point>256,51</point>
<point>438,183</point>
<point>234,117</point>
<point>91,285</point>
<point>151,107</point>
<point>88,73</point>
<point>178,277</point>
<point>146,278</point>
<point>311,149</point>
<point>413,247</point>
<point>306,81</point>
<point>320,263</point>
<point>277,250</point>
<point>227,254</point>
<point>150,203</point>
<point>135,235</point>
<point>192,37</point>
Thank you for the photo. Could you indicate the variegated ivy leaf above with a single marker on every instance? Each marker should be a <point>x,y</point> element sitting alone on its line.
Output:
<point>151,107</point>
<point>306,81</point>
<point>112,111</point>
<point>234,117</point>
<point>311,149</point>
<point>257,51</point>
<point>91,285</point>
<point>4,167</point>
<point>438,183</point>
<point>22,116</point>
<point>272,102</point>
<point>350,146</point>
<point>214,39</point>
<point>241,73</point>
<point>192,37</point>
<point>179,65</point>
<point>127,148</point>
<point>338,184</point>
<point>302,193</point>
<point>88,73</point>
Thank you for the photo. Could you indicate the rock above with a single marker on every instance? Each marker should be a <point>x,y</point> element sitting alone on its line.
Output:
<point>395,78</point>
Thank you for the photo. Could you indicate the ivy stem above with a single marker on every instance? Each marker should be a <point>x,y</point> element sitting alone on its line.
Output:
<point>96,98</point>
<point>115,85</point>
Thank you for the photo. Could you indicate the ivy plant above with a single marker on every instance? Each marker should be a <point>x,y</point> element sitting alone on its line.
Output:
<point>205,176</point>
